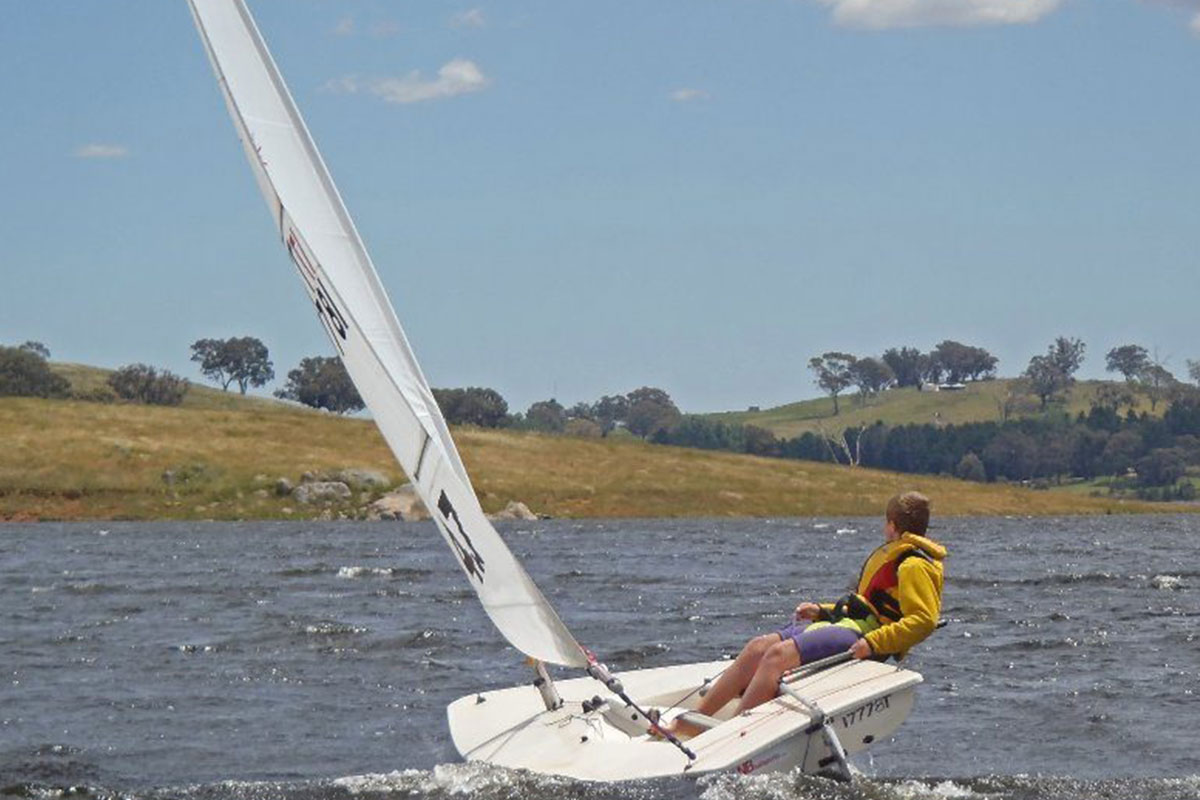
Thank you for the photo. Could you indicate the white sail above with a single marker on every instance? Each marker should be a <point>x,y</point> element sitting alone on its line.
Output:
<point>354,309</point>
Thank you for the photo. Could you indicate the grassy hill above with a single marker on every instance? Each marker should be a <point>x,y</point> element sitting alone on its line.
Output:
<point>67,459</point>
<point>979,402</point>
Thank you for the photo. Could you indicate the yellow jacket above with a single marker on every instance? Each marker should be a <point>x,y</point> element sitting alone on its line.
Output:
<point>901,583</point>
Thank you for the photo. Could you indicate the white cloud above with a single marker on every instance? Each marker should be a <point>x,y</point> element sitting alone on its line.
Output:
<point>1195,24</point>
<point>344,27</point>
<point>456,77</point>
<point>101,151</point>
<point>883,14</point>
<point>471,18</point>
<point>688,95</point>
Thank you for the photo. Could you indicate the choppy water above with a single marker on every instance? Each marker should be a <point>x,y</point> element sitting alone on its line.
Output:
<point>314,660</point>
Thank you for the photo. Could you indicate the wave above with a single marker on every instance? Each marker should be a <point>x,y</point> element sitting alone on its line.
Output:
<point>333,628</point>
<point>382,572</point>
<point>1171,582</point>
<point>486,782</point>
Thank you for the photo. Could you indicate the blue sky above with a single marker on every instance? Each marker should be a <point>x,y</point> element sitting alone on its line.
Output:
<point>573,199</point>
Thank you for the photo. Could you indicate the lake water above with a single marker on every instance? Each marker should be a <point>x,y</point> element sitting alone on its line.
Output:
<point>305,660</point>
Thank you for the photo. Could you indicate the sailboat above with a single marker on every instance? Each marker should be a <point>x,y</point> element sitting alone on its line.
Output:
<point>597,726</point>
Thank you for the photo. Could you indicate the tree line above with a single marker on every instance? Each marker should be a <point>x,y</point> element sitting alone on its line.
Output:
<point>1047,376</point>
<point>1150,453</point>
<point>322,382</point>
<point>644,412</point>
<point>954,362</point>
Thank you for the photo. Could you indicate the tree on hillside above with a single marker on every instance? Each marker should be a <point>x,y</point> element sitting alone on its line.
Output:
<point>37,348</point>
<point>963,362</point>
<point>609,410</point>
<point>1054,372</point>
<point>1157,383</point>
<point>140,383</point>
<point>1066,355</point>
<point>1045,379</point>
<point>651,411</point>
<point>833,373</point>
<point>871,376</point>
<point>24,373</point>
<point>546,415</point>
<point>322,382</point>
<point>472,406</point>
<point>1128,359</point>
<point>241,360</point>
<point>1194,370</point>
<point>908,364</point>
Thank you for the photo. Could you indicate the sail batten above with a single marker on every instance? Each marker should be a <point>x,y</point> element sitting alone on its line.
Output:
<point>326,250</point>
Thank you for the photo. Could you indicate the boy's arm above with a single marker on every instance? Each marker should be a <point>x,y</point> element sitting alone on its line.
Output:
<point>920,606</point>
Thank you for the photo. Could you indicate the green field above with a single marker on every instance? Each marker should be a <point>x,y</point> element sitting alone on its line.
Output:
<point>68,459</point>
<point>978,402</point>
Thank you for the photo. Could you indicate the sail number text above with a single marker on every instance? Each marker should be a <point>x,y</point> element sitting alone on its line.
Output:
<point>865,711</point>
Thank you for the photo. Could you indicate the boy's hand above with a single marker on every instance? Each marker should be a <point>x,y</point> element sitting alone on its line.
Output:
<point>809,611</point>
<point>860,649</point>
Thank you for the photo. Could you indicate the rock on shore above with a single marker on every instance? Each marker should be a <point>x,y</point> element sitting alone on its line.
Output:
<point>402,504</point>
<point>514,510</point>
<point>359,479</point>
<point>321,492</point>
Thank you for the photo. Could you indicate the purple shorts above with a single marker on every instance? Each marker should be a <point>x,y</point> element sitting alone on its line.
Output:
<point>822,642</point>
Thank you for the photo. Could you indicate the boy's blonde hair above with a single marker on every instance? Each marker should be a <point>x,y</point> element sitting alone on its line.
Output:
<point>909,512</point>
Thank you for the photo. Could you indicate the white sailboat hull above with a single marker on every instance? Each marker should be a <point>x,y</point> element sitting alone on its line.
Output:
<point>866,701</point>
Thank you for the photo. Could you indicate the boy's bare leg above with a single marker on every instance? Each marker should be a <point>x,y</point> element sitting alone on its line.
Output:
<point>778,659</point>
<point>733,680</point>
<point>737,676</point>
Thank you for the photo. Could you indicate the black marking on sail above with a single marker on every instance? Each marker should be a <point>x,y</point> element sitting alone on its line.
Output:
<point>331,317</point>
<point>472,562</point>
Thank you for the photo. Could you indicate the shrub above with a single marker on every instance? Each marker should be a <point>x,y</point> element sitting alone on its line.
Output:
<point>25,373</point>
<point>322,382</point>
<point>1162,467</point>
<point>140,383</point>
<point>472,406</point>
<point>970,468</point>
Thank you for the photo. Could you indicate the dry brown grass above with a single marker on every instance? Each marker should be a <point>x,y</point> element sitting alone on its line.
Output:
<point>65,459</point>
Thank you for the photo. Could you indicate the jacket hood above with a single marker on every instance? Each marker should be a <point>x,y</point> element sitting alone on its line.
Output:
<point>931,547</point>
